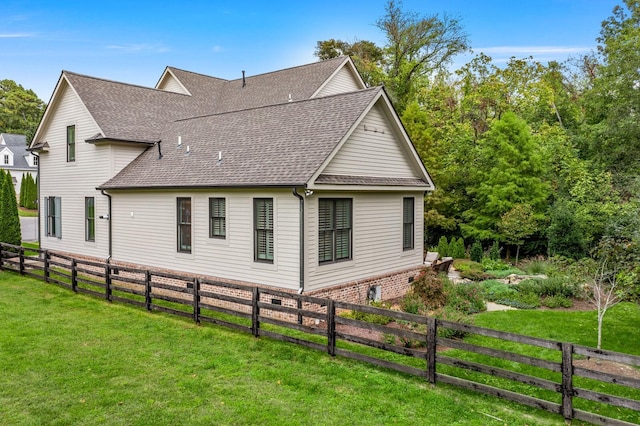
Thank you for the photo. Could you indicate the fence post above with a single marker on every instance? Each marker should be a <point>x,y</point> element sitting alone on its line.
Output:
<point>255,312</point>
<point>147,289</point>
<point>567,380</point>
<point>431,350</point>
<point>331,327</point>
<point>21,254</point>
<point>74,278</point>
<point>196,300</point>
<point>46,266</point>
<point>1,250</point>
<point>107,281</point>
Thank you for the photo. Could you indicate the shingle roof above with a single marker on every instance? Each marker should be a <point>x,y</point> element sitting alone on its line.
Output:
<point>147,110</point>
<point>278,145</point>
<point>18,146</point>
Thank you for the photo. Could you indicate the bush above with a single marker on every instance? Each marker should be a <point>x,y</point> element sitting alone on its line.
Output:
<point>522,301</point>
<point>494,290</point>
<point>494,252</point>
<point>558,301</point>
<point>456,248</point>
<point>489,264</point>
<point>449,314</point>
<point>412,303</point>
<point>428,286</point>
<point>443,247</point>
<point>555,286</point>
<point>465,298</point>
<point>476,252</point>
<point>535,266</point>
<point>366,317</point>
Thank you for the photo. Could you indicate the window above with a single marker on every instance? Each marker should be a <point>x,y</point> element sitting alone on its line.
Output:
<point>6,159</point>
<point>71,143</point>
<point>53,217</point>
<point>184,225</point>
<point>334,229</point>
<point>89,219</point>
<point>408,224</point>
<point>35,160</point>
<point>217,218</point>
<point>263,229</point>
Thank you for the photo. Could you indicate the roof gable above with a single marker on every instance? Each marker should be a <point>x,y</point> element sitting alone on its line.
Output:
<point>279,145</point>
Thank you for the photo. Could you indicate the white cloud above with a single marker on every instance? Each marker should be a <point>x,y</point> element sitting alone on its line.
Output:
<point>138,48</point>
<point>16,35</point>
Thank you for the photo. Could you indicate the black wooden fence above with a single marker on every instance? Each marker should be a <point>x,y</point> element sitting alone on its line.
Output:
<point>547,375</point>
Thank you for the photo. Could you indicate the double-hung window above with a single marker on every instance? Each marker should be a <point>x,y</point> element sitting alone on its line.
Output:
<point>6,159</point>
<point>53,217</point>
<point>334,229</point>
<point>89,219</point>
<point>263,229</point>
<point>217,218</point>
<point>184,224</point>
<point>71,143</point>
<point>408,223</point>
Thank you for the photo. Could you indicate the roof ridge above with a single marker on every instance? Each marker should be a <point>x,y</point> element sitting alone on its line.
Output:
<point>342,58</point>
<point>374,88</point>
<point>106,80</point>
<point>198,73</point>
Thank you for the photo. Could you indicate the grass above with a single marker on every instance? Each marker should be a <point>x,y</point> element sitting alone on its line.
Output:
<point>71,359</point>
<point>578,327</point>
<point>22,212</point>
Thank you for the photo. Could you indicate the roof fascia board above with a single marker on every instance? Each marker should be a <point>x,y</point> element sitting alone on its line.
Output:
<point>359,188</point>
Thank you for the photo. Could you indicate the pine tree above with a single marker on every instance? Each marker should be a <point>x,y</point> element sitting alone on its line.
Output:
<point>9,218</point>
<point>476,251</point>
<point>443,247</point>
<point>23,189</point>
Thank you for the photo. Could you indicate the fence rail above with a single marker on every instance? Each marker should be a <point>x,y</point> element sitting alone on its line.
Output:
<point>545,377</point>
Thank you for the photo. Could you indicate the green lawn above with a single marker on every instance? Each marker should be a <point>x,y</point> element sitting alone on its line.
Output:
<point>27,213</point>
<point>70,359</point>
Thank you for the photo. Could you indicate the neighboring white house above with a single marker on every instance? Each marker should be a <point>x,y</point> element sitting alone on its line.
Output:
<point>15,158</point>
<point>302,179</point>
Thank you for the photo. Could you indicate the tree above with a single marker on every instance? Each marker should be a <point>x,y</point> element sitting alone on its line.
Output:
<point>516,225</point>
<point>615,264</point>
<point>565,236</point>
<point>9,218</point>
<point>20,109</point>
<point>366,56</point>
<point>509,172</point>
<point>416,47</point>
<point>611,134</point>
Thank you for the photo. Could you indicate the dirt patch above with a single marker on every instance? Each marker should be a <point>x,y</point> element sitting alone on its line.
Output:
<point>608,367</point>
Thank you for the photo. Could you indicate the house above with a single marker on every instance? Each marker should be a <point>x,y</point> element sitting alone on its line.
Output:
<point>15,158</point>
<point>302,179</point>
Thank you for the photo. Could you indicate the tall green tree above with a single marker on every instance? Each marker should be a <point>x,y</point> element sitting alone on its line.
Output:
<point>20,109</point>
<point>509,172</point>
<point>366,56</point>
<point>611,135</point>
<point>9,219</point>
<point>416,48</point>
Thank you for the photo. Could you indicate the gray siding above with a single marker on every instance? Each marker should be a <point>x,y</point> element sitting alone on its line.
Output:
<point>73,181</point>
<point>145,232</point>
<point>377,239</point>
<point>376,151</point>
<point>342,82</point>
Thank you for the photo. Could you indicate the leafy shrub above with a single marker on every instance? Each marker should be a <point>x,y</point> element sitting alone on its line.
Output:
<point>522,301</point>
<point>494,290</point>
<point>443,246</point>
<point>535,266</point>
<point>457,249</point>
<point>476,252</point>
<point>367,317</point>
<point>555,286</point>
<point>449,314</point>
<point>489,264</point>
<point>558,301</point>
<point>494,251</point>
<point>412,303</point>
<point>428,286</point>
<point>465,298</point>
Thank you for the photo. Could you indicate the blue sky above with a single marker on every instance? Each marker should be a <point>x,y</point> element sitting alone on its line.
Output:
<point>132,41</point>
